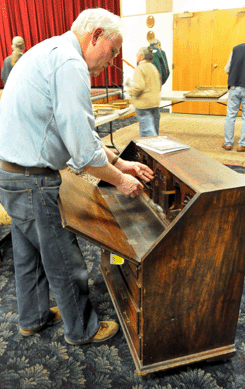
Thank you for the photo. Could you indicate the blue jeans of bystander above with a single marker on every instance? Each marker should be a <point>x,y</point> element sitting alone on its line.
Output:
<point>149,121</point>
<point>235,99</point>
<point>46,254</point>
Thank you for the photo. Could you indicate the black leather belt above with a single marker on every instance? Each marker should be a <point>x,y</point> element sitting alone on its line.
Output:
<point>14,168</point>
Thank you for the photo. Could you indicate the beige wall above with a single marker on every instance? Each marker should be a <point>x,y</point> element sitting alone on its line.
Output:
<point>135,37</point>
<point>134,14</point>
<point>142,7</point>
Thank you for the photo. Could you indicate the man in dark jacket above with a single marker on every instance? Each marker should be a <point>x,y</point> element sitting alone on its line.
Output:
<point>160,60</point>
<point>235,67</point>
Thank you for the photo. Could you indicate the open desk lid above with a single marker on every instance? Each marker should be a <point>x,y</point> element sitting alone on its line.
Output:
<point>84,211</point>
<point>125,226</point>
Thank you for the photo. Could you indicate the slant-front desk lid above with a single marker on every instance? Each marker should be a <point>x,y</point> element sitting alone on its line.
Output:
<point>85,212</point>
<point>128,227</point>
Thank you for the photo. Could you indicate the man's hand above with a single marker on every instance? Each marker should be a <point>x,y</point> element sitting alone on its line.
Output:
<point>136,169</point>
<point>129,186</point>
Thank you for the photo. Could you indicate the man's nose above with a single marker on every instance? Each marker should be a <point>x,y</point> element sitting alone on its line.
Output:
<point>111,62</point>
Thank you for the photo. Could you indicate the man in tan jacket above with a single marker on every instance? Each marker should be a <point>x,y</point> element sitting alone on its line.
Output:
<point>146,93</point>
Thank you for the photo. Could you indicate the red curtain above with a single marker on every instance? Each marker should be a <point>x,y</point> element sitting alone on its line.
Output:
<point>36,20</point>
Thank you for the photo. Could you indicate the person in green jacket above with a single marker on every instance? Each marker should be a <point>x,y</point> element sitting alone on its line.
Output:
<point>160,59</point>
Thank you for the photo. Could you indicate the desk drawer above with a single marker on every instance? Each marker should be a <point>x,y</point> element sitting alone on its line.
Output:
<point>129,312</point>
<point>133,285</point>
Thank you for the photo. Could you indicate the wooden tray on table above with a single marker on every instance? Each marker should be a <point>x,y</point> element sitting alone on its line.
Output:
<point>207,91</point>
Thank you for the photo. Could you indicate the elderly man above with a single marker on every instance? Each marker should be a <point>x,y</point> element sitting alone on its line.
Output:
<point>145,93</point>
<point>47,124</point>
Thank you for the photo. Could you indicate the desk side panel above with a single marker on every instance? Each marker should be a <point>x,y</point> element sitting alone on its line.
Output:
<point>193,280</point>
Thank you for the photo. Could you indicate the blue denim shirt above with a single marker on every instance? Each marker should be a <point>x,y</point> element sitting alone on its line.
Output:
<point>46,112</point>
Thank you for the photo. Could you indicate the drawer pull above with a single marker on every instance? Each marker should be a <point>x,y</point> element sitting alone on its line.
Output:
<point>126,317</point>
<point>123,295</point>
<point>126,273</point>
<point>107,271</point>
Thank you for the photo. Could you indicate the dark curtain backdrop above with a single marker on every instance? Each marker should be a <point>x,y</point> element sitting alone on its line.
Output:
<point>36,20</point>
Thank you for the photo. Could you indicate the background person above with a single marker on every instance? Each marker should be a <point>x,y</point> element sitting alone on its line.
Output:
<point>145,93</point>
<point>18,47</point>
<point>160,59</point>
<point>53,129</point>
<point>235,67</point>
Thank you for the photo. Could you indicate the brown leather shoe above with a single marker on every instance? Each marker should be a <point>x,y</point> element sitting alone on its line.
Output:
<point>226,147</point>
<point>54,318</point>
<point>106,331</point>
<point>241,148</point>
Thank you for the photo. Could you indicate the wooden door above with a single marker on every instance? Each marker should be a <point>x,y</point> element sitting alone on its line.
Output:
<point>191,57</point>
<point>202,44</point>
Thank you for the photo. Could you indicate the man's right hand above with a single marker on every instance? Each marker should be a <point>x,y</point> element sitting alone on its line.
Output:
<point>129,186</point>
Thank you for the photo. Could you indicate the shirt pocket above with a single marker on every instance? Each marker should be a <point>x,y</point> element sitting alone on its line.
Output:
<point>18,204</point>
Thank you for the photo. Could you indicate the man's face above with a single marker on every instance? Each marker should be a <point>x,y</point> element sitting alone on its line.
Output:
<point>101,52</point>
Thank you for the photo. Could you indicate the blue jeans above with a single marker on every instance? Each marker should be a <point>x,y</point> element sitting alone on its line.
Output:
<point>235,99</point>
<point>149,121</point>
<point>46,254</point>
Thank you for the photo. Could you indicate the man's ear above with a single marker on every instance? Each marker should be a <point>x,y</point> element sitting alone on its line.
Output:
<point>96,34</point>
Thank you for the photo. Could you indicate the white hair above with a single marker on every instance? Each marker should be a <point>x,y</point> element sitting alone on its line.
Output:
<point>146,52</point>
<point>98,17</point>
<point>154,42</point>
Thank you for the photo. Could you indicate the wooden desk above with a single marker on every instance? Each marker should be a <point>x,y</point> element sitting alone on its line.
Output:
<point>178,293</point>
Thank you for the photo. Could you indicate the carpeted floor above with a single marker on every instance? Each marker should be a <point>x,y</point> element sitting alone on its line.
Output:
<point>47,361</point>
<point>204,132</point>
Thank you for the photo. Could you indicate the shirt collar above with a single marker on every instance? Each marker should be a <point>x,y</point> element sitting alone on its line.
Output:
<point>71,37</point>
